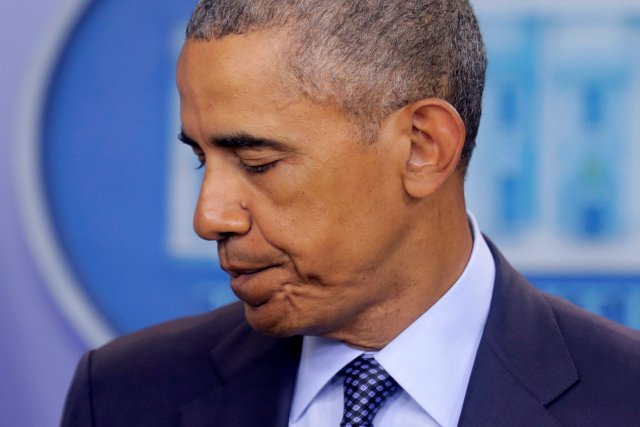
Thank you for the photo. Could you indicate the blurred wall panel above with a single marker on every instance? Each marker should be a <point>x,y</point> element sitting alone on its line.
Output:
<point>554,180</point>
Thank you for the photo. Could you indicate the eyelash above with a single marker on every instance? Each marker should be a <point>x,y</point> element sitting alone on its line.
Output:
<point>258,169</point>
<point>250,169</point>
<point>201,159</point>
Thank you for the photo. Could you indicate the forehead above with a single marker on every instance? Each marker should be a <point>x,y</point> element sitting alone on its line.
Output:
<point>246,65</point>
<point>239,84</point>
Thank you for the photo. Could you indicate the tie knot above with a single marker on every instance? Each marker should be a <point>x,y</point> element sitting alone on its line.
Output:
<point>366,388</point>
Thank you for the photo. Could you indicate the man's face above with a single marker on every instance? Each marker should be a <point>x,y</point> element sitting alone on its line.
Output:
<point>308,219</point>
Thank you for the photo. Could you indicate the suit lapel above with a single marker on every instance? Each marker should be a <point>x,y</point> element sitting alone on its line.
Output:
<point>523,363</point>
<point>257,380</point>
<point>496,398</point>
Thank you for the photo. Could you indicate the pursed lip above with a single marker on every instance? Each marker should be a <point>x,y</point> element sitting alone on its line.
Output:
<point>253,285</point>
<point>236,272</point>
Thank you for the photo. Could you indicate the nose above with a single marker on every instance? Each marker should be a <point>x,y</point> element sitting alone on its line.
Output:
<point>220,212</point>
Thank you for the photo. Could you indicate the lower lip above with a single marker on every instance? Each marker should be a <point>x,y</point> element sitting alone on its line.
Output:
<point>255,288</point>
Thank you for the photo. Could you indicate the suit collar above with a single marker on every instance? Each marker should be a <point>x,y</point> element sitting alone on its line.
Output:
<point>523,362</point>
<point>260,369</point>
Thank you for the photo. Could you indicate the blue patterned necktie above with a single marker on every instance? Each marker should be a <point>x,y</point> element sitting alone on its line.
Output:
<point>366,387</point>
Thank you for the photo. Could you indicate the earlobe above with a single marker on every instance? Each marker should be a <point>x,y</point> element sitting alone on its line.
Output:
<point>437,138</point>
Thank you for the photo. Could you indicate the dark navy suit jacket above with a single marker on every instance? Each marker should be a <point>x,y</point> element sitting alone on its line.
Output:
<point>541,362</point>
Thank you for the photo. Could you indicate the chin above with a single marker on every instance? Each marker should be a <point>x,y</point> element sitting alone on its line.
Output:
<point>270,320</point>
<point>277,321</point>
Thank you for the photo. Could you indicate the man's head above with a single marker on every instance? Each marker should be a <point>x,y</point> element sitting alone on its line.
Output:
<point>321,232</point>
<point>370,57</point>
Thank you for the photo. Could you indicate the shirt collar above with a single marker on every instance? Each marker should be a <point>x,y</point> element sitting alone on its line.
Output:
<point>320,361</point>
<point>432,358</point>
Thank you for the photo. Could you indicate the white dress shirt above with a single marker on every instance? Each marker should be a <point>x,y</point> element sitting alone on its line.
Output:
<point>431,359</point>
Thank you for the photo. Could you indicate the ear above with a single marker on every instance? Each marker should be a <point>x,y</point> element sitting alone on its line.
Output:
<point>437,137</point>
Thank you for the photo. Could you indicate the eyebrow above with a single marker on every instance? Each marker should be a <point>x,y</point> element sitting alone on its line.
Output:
<point>237,141</point>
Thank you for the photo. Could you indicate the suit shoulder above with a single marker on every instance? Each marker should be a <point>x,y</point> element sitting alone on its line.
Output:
<point>166,352</point>
<point>607,358</point>
<point>147,377</point>
<point>179,337</point>
<point>606,354</point>
<point>584,330</point>
<point>588,337</point>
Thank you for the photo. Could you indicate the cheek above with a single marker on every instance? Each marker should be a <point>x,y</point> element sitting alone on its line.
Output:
<point>299,216</point>
<point>308,236</point>
<point>330,222</point>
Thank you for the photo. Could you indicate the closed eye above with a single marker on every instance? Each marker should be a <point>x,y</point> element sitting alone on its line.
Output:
<point>249,166</point>
<point>258,169</point>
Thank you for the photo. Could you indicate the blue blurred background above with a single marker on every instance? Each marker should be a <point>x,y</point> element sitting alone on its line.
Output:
<point>96,194</point>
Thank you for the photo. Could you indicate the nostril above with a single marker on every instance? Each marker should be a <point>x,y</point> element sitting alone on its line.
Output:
<point>225,235</point>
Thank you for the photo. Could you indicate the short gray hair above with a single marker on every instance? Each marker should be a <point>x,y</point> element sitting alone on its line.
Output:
<point>369,57</point>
